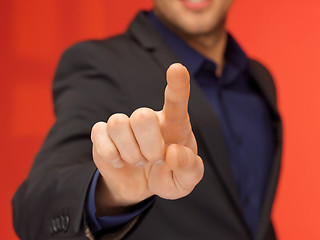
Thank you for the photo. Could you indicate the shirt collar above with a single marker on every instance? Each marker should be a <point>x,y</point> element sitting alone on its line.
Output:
<point>236,60</point>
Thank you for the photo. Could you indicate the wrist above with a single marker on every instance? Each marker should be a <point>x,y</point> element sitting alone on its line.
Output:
<point>106,204</point>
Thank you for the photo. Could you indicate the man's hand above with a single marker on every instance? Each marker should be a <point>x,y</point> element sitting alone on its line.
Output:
<point>149,152</point>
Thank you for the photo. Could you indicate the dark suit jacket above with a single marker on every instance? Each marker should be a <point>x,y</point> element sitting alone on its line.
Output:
<point>98,78</point>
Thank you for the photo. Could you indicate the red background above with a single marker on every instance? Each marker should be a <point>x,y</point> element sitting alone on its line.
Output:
<point>283,34</point>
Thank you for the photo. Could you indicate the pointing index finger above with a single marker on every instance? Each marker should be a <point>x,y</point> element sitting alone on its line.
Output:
<point>177,93</point>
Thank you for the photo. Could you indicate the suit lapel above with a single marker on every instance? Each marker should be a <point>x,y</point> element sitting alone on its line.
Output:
<point>265,84</point>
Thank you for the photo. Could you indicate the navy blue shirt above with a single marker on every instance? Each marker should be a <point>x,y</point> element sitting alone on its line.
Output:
<point>244,116</point>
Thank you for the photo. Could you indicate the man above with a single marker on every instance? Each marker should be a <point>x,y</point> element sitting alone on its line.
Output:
<point>156,149</point>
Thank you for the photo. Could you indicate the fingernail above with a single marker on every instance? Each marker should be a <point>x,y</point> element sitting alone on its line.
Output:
<point>141,163</point>
<point>117,163</point>
<point>159,162</point>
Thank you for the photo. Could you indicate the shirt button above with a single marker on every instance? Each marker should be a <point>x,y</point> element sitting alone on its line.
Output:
<point>209,67</point>
<point>247,200</point>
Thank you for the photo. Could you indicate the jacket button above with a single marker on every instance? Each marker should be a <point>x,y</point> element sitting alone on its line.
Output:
<point>53,228</point>
<point>64,223</point>
<point>58,224</point>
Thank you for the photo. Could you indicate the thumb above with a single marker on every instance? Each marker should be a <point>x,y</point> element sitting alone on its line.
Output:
<point>187,167</point>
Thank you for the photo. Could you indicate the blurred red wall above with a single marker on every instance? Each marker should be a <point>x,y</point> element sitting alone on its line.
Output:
<point>283,34</point>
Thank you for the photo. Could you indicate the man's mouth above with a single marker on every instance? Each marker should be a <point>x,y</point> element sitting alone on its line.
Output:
<point>196,4</point>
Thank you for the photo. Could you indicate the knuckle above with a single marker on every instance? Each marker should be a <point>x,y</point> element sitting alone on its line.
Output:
<point>96,129</point>
<point>142,115</point>
<point>117,121</point>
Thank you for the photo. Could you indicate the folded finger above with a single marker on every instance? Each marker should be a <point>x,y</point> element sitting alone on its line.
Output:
<point>121,134</point>
<point>104,150</point>
<point>145,125</point>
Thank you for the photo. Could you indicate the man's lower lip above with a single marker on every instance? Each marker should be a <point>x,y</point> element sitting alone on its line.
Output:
<point>196,5</point>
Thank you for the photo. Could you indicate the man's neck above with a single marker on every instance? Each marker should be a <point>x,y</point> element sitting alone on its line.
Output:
<point>211,45</point>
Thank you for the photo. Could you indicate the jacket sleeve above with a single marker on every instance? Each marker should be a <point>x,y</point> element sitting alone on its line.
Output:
<point>87,88</point>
